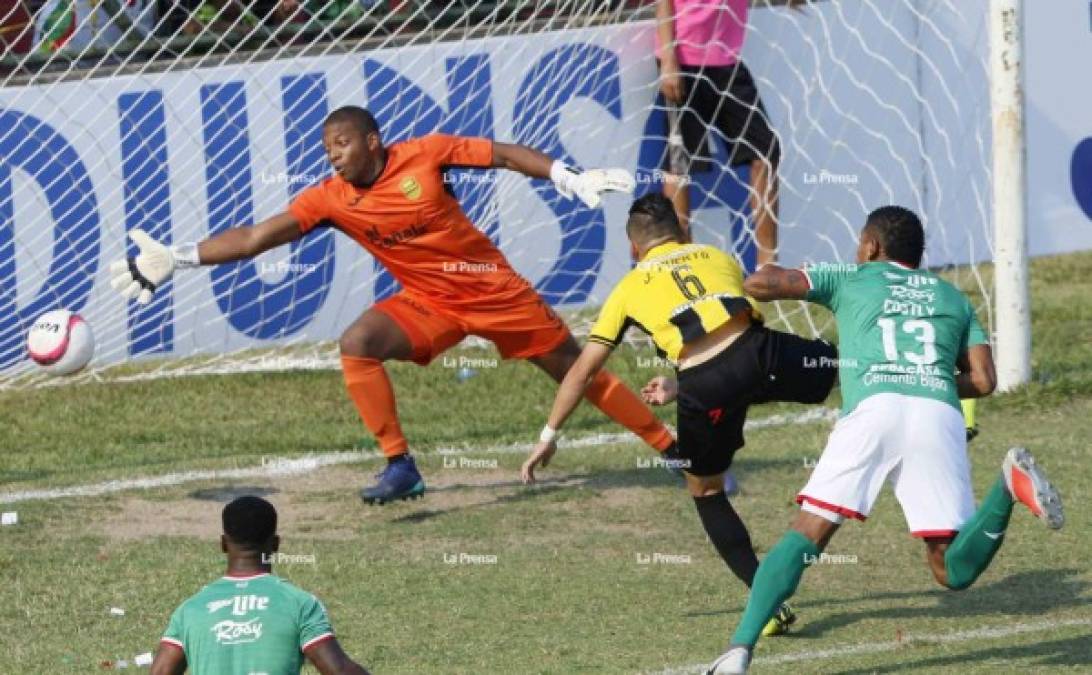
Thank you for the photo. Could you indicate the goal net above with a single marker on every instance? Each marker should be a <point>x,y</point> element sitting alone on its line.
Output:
<point>115,117</point>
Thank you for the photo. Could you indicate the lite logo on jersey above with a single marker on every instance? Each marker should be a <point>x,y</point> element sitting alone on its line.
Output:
<point>241,605</point>
<point>230,632</point>
<point>920,280</point>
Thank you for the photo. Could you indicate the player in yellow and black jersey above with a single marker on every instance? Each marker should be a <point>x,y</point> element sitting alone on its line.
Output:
<point>678,293</point>
<point>690,299</point>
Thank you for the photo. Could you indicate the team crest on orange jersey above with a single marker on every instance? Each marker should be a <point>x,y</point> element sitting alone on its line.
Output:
<point>411,188</point>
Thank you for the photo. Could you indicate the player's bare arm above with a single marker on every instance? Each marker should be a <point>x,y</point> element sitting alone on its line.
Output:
<point>569,395</point>
<point>330,659</point>
<point>528,161</point>
<point>588,185</point>
<point>240,243</point>
<point>170,660</point>
<point>137,277</point>
<point>776,283</point>
<point>977,377</point>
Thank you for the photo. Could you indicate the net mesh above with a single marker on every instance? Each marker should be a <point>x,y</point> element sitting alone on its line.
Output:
<point>185,119</point>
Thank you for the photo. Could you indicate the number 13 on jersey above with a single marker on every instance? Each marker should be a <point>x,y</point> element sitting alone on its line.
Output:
<point>923,333</point>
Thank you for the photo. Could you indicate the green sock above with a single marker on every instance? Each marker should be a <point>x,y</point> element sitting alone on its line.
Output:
<point>776,579</point>
<point>973,548</point>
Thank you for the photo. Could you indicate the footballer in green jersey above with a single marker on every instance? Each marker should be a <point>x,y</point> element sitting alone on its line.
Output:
<point>910,347</point>
<point>249,621</point>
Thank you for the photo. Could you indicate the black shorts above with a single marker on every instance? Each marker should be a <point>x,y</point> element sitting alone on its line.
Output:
<point>722,100</point>
<point>762,365</point>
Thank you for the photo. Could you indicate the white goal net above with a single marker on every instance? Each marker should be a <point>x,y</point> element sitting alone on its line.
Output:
<point>116,115</point>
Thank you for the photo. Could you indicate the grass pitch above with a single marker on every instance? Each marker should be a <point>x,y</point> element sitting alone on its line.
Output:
<point>603,568</point>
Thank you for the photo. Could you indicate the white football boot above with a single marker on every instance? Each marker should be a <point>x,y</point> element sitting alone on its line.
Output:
<point>732,662</point>
<point>1028,485</point>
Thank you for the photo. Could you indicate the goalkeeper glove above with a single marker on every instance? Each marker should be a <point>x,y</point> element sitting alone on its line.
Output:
<point>137,277</point>
<point>589,185</point>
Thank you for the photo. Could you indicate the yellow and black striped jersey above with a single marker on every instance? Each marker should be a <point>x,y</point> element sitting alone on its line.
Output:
<point>678,293</point>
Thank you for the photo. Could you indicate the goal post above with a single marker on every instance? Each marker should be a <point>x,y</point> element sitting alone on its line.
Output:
<point>1013,305</point>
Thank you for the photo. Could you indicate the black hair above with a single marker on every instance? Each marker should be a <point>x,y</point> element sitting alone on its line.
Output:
<point>653,217</point>
<point>900,233</point>
<point>360,118</point>
<point>250,521</point>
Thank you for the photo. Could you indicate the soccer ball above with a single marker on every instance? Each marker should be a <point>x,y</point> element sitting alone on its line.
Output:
<point>60,342</point>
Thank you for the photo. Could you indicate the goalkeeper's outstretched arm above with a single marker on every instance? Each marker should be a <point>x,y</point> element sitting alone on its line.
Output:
<point>137,277</point>
<point>588,185</point>
<point>240,243</point>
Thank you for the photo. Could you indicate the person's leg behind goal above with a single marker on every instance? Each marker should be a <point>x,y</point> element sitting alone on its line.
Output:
<point>728,97</point>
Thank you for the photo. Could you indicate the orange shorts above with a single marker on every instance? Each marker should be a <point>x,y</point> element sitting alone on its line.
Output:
<point>524,327</point>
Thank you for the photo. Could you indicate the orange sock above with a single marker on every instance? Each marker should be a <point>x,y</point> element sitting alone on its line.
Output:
<point>614,398</point>
<point>371,391</point>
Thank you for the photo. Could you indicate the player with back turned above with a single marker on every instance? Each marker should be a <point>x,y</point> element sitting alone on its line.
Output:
<point>690,299</point>
<point>249,620</point>
<point>393,201</point>
<point>904,333</point>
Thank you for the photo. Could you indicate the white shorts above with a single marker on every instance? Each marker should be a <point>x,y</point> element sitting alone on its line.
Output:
<point>918,444</point>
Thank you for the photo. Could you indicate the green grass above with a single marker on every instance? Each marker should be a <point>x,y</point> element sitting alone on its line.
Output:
<point>567,594</point>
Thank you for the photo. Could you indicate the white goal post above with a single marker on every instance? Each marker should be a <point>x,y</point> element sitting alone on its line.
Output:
<point>1013,312</point>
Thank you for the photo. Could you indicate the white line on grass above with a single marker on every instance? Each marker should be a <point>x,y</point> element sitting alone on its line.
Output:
<point>892,645</point>
<point>293,466</point>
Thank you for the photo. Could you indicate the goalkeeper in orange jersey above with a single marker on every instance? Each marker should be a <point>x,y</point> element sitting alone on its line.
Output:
<point>392,201</point>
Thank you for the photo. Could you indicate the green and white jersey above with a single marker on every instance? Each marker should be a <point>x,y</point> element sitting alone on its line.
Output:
<point>900,330</point>
<point>253,625</point>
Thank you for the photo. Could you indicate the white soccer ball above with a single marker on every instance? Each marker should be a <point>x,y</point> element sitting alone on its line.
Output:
<point>60,342</point>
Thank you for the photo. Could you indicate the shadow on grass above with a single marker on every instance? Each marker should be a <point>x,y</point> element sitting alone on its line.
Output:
<point>1024,594</point>
<point>514,491</point>
<point>1075,651</point>
<point>1020,594</point>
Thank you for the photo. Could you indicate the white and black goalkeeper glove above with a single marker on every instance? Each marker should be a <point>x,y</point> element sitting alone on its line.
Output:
<point>137,277</point>
<point>589,185</point>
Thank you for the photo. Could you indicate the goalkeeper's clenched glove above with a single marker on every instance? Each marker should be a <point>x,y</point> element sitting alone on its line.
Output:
<point>589,185</point>
<point>138,276</point>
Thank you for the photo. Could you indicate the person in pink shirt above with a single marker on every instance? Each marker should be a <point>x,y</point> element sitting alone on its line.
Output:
<point>709,88</point>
